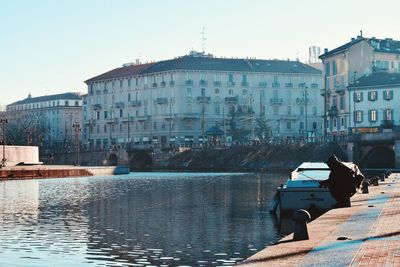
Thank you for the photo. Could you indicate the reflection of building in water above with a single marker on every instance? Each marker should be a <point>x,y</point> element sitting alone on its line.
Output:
<point>222,215</point>
<point>19,197</point>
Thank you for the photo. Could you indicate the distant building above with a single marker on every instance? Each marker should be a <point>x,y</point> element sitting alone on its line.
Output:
<point>177,102</point>
<point>45,121</point>
<point>345,64</point>
<point>376,102</point>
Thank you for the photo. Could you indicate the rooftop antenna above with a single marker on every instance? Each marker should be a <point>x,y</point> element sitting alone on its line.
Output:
<point>203,38</point>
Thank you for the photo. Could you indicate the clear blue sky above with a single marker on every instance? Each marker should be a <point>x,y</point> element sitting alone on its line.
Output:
<point>51,47</point>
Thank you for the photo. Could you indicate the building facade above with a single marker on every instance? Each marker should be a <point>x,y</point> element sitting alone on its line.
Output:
<point>343,66</point>
<point>376,102</point>
<point>45,121</point>
<point>191,100</point>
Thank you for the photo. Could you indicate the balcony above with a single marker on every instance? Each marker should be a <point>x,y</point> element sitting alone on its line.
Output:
<point>136,103</point>
<point>262,84</point>
<point>275,85</point>
<point>302,101</point>
<point>231,83</point>
<point>314,85</point>
<point>112,120</point>
<point>302,85</point>
<point>217,83</point>
<point>154,85</point>
<point>163,84</point>
<point>387,124</point>
<point>190,116</point>
<point>203,83</point>
<point>231,99</point>
<point>328,92</point>
<point>171,83</point>
<point>119,104</point>
<point>289,85</point>
<point>142,118</point>
<point>288,117</point>
<point>189,82</point>
<point>245,84</point>
<point>105,91</point>
<point>162,100</point>
<point>96,106</point>
<point>333,111</point>
<point>203,99</point>
<point>276,101</point>
<point>339,89</point>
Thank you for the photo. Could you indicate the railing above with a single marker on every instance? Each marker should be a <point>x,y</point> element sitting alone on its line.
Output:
<point>289,85</point>
<point>189,82</point>
<point>275,85</point>
<point>136,103</point>
<point>333,111</point>
<point>275,101</point>
<point>96,106</point>
<point>302,101</point>
<point>119,104</point>
<point>217,83</point>
<point>204,99</point>
<point>171,83</point>
<point>154,85</point>
<point>203,82</point>
<point>162,100</point>
<point>231,83</point>
<point>163,84</point>
<point>245,84</point>
<point>231,99</point>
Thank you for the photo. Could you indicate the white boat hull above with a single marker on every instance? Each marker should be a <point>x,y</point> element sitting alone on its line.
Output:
<point>315,198</point>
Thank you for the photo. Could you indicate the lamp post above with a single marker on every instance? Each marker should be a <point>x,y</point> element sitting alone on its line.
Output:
<point>171,100</point>
<point>4,122</point>
<point>77,129</point>
<point>325,119</point>
<point>354,100</point>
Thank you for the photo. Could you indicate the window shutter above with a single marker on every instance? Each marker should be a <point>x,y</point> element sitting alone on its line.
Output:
<point>369,96</point>
<point>391,94</point>
<point>384,114</point>
<point>392,113</point>
<point>354,96</point>
<point>370,115</point>
<point>362,114</point>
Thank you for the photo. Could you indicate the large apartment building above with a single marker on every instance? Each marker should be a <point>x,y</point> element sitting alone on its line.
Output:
<point>343,66</point>
<point>45,121</point>
<point>189,100</point>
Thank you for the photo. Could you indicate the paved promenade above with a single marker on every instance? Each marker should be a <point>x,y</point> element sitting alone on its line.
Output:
<point>367,234</point>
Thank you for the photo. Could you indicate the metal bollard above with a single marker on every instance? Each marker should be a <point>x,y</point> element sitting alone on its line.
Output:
<point>382,177</point>
<point>364,187</point>
<point>375,181</point>
<point>301,217</point>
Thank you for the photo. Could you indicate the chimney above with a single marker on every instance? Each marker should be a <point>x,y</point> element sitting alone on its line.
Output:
<point>353,39</point>
<point>325,50</point>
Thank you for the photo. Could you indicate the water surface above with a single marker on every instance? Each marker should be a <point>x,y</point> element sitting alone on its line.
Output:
<point>140,219</point>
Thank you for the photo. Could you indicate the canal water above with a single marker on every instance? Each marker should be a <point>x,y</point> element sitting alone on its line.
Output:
<point>140,219</point>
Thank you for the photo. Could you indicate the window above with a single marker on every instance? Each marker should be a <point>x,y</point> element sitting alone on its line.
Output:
<point>203,91</point>
<point>276,110</point>
<point>217,109</point>
<point>230,91</point>
<point>288,125</point>
<point>188,124</point>
<point>129,96</point>
<point>289,110</point>
<point>188,107</point>
<point>334,69</point>
<point>105,128</point>
<point>230,77</point>
<point>129,82</point>
<point>97,115</point>
<point>358,96</point>
<point>105,114</point>
<point>188,91</point>
<point>301,111</point>
<point>121,83</point>
<point>216,91</point>
<point>358,115</point>
<point>373,115</point>
<point>327,69</point>
<point>301,125</point>
<point>66,103</point>
<point>372,96</point>
<point>342,103</point>
<point>388,94</point>
<point>315,111</point>
<point>244,92</point>
<point>388,114</point>
<point>121,113</point>
<point>314,125</point>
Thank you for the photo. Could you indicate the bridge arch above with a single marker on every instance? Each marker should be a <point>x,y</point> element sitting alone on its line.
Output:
<point>379,157</point>
<point>140,160</point>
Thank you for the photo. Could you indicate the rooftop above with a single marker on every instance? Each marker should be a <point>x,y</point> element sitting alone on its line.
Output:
<point>63,96</point>
<point>387,45</point>
<point>209,63</point>
<point>377,79</point>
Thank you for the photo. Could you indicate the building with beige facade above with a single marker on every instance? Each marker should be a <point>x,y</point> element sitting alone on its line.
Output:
<point>45,121</point>
<point>343,66</point>
<point>198,99</point>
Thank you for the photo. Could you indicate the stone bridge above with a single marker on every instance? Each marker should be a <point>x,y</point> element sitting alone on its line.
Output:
<point>375,150</point>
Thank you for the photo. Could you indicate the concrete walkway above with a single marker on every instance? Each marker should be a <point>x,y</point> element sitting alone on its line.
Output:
<point>367,234</point>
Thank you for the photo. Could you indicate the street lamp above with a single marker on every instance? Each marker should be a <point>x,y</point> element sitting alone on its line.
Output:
<point>305,107</point>
<point>4,122</point>
<point>354,100</point>
<point>77,129</point>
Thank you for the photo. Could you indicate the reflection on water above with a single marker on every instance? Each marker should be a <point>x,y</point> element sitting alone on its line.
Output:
<point>137,220</point>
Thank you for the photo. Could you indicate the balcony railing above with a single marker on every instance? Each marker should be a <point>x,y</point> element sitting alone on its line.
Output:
<point>328,92</point>
<point>333,111</point>
<point>275,85</point>
<point>136,103</point>
<point>289,85</point>
<point>217,83</point>
<point>302,85</point>
<point>231,83</point>
<point>262,84</point>
<point>189,82</point>
<point>203,99</point>
<point>203,83</point>
<point>245,84</point>
<point>276,101</point>
<point>190,115</point>
<point>96,106</point>
<point>314,85</point>
<point>163,84</point>
<point>119,104</point>
<point>154,85</point>
<point>302,100</point>
<point>171,83</point>
<point>162,100</point>
<point>339,89</point>
<point>231,99</point>
<point>112,120</point>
